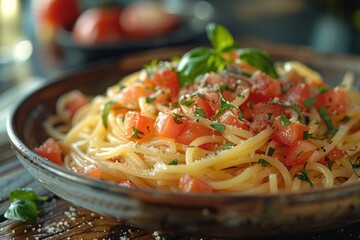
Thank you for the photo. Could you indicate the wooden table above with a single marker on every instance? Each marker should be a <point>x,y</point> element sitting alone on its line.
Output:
<point>59,219</point>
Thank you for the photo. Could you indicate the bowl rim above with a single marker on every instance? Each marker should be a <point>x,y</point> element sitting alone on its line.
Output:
<point>19,147</point>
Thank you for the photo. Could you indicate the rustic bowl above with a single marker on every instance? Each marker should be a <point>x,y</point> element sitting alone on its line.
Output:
<point>214,215</point>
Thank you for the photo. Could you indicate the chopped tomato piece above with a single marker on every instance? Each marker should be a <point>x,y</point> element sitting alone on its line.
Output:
<point>191,131</point>
<point>332,156</point>
<point>170,125</point>
<point>138,126</point>
<point>51,150</point>
<point>167,79</point>
<point>76,100</point>
<point>263,88</point>
<point>334,101</point>
<point>231,119</point>
<point>190,184</point>
<point>90,171</point>
<point>202,103</point>
<point>297,94</point>
<point>290,134</point>
<point>299,153</point>
<point>261,114</point>
<point>129,96</point>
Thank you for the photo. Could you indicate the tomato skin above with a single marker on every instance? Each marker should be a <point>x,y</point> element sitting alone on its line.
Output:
<point>263,88</point>
<point>188,183</point>
<point>290,134</point>
<point>334,101</point>
<point>129,96</point>
<point>51,150</point>
<point>146,19</point>
<point>166,126</point>
<point>332,156</point>
<point>134,121</point>
<point>299,153</point>
<point>203,103</point>
<point>76,100</point>
<point>231,119</point>
<point>98,26</point>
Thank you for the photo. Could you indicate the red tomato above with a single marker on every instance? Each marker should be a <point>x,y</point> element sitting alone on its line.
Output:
<point>299,153</point>
<point>168,125</point>
<point>138,126</point>
<point>230,118</point>
<point>191,131</point>
<point>90,171</point>
<point>98,26</point>
<point>57,13</point>
<point>290,134</point>
<point>332,156</point>
<point>201,102</point>
<point>190,184</point>
<point>51,150</point>
<point>129,96</point>
<point>167,79</point>
<point>76,100</point>
<point>146,19</point>
<point>264,88</point>
<point>297,94</point>
<point>261,114</point>
<point>334,101</point>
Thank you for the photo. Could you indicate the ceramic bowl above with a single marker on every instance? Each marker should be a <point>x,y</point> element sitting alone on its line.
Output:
<point>213,215</point>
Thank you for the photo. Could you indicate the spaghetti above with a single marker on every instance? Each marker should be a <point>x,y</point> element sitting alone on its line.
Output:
<point>240,129</point>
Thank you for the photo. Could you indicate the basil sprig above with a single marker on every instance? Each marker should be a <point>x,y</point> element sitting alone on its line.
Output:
<point>23,205</point>
<point>201,60</point>
<point>259,59</point>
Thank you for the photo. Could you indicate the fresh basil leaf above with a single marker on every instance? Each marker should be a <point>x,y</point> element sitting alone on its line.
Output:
<point>259,59</point>
<point>219,36</point>
<point>23,210</point>
<point>105,112</point>
<point>218,126</point>
<point>25,194</point>
<point>196,62</point>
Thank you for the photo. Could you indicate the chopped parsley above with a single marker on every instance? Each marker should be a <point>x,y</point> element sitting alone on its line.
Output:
<point>136,132</point>
<point>284,121</point>
<point>150,99</point>
<point>200,112</point>
<point>218,126</point>
<point>105,112</point>
<point>187,103</point>
<point>174,162</point>
<point>264,163</point>
<point>228,146</point>
<point>326,117</point>
<point>271,151</point>
<point>308,103</point>
<point>304,176</point>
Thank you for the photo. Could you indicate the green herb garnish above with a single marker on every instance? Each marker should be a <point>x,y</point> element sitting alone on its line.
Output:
<point>228,146</point>
<point>200,112</point>
<point>258,59</point>
<point>284,121</point>
<point>174,162</point>
<point>23,205</point>
<point>326,117</point>
<point>187,103</point>
<point>271,151</point>
<point>150,99</point>
<point>304,176</point>
<point>308,103</point>
<point>136,132</point>
<point>263,162</point>
<point>218,126</point>
<point>105,112</point>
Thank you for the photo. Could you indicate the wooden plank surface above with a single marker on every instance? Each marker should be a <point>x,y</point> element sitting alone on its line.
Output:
<point>59,219</point>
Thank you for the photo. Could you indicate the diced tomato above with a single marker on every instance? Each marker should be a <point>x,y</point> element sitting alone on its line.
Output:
<point>264,88</point>
<point>138,126</point>
<point>190,184</point>
<point>51,150</point>
<point>290,134</point>
<point>90,171</point>
<point>76,100</point>
<point>299,153</point>
<point>169,125</point>
<point>167,79</point>
<point>129,96</point>
<point>332,156</point>
<point>191,131</point>
<point>297,94</point>
<point>334,101</point>
<point>201,102</point>
<point>231,119</point>
<point>261,114</point>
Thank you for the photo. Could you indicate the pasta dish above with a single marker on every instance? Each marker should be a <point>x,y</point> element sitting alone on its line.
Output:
<point>218,119</point>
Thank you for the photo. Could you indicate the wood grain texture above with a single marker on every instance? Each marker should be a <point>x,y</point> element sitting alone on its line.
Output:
<point>59,219</point>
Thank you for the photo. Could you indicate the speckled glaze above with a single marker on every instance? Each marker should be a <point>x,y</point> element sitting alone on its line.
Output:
<point>215,215</point>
